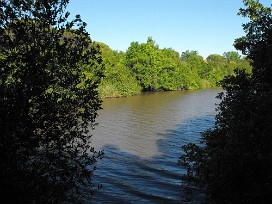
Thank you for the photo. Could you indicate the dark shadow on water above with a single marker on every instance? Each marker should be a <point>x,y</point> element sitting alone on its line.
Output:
<point>128,178</point>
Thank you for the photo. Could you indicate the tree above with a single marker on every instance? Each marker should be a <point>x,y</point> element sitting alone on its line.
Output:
<point>216,69</point>
<point>257,43</point>
<point>232,56</point>
<point>197,67</point>
<point>187,54</point>
<point>142,60</point>
<point>118,80</point>
<point>49,73</point>
<point>234,162</point>
<point>162,69</point>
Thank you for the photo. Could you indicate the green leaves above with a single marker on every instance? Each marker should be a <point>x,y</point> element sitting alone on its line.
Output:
<point>118,80</point>
<point>49,76</point>
<point>153,69</point>
<point>235,160</point>
<point>158,69</point>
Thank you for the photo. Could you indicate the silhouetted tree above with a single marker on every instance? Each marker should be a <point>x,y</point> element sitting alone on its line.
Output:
<point>234,163</point>
<point>49,73</point>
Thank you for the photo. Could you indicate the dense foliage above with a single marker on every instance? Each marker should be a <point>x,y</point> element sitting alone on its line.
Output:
<point>146,67</point>
<point>234,163</point>
<point>49,74</point>
<point>118,81</point>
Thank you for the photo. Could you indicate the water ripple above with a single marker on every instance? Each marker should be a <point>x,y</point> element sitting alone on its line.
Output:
<point>141,137</point>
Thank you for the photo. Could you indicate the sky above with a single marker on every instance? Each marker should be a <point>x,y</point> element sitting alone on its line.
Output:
<point>207,26</point>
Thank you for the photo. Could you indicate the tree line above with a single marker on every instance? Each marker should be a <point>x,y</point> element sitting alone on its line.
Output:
<point>147,67</point>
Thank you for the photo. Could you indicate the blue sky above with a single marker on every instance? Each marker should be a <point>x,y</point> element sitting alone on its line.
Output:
<point>208,26</point>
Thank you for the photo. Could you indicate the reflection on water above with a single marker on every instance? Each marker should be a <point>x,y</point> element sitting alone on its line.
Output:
<point>141,137</point>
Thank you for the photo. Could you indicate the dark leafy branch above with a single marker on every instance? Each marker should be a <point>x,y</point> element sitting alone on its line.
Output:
<point>234,163</point>
<point>47,104</point>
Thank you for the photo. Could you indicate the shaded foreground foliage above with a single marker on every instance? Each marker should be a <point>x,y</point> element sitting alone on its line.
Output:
<point>49,73</point>
<point>234,163</point>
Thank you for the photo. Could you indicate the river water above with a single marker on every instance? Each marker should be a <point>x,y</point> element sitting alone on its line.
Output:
<point>141,137</point>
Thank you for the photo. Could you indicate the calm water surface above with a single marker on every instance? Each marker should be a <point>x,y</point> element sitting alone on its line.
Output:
<point>141,137</point>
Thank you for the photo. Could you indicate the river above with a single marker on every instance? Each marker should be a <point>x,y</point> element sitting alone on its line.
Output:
<point>141,137</point>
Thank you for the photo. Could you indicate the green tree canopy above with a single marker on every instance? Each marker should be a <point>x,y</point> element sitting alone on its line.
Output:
<point>48,101</point>
<point>142,60</point>
<point>162,69</point>
<point>187,54</point>
<point>118,80</point>
<point>232,56</point>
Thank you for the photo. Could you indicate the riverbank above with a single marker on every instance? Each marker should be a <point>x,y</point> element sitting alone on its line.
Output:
<point>115,94</point>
